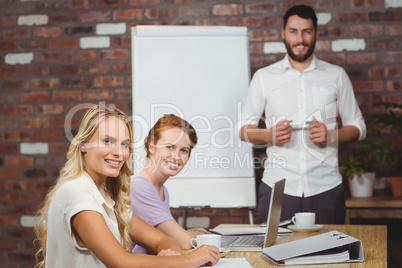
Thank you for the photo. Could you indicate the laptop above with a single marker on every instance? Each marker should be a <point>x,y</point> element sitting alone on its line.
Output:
<point>258,242</point>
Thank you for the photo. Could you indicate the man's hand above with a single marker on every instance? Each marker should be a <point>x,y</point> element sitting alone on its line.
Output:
<point>318,133</point>
<point>281,132</point>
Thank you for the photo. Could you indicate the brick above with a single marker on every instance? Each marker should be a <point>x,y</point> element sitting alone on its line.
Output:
<point>199,11</point>
<point>324,18</point>
<point>9,245</point>
<point>9,149</point>
<point>245,21</point>
<point>108,81</point>
<point>368,86</point>
<point>323,45</point>
<point>8,21</point>
<point>63,44</point>
<point>67,95</point>
<point>46,109</point>
<point>393,57</point>
<point>81,4</point>
<point>79,30</point>
<point>361,58</point>
<point>95,42</point>
<point>32,197</point>
<point>111,28</point>
<point>64,69</point>
<point>47,32</point>
<point>272,21</point>
<point>274,48</point>
<point>64,18</point>
<point>261,8</point>
<point>83,82</point>
<point>9,123</point>
<point>16,33</point>
<point>354,17</point>
<point>32,71</point>
<point>123,94</point>
<point>393,30</point>
<point>35,97</point>
<point>159,13</point>
<point>8,221</point>
<point>121,41</point>
<point>9,173</point>
<point>366,3</point>
<point>95,68</point>
<point>115,54</point>
<point>15,84</point>
<point>393,85</point>
<point>366,30</point>
<point>122,67</point>
<point>31,20</point>
<point>212,21</point>
<point>8,72</point>
<point>45,83</point>
<point>112,4</point>
<point>19,58</point>
<point>382,43</point>
<point>32,45</point>
<point>334,58</point>
<point>46,135</point>
<point>59,148</point>
<point>7,46</point>
<point>19,161</point>
<point>385,71</point>
<point>227,9</point>
<point>92,95</point>
<point>95,16</point>
<point>387,16</point>
<point>34,148</point>
<point>21,257</point>
<point>256,48</point>
<point>15,136</point>
<point>144,2</point>
<point>37,122</point>
<point>48,57</point>
<point>82,55</point>
<point>393,3</point>
<point>348,45</point>
<point>12,110</point>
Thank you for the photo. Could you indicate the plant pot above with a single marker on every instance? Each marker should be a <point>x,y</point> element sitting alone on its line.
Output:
<point>362,185</point>
<point>396,185</point>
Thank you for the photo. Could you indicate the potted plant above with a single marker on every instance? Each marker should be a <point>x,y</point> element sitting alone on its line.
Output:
<point>372,154</point>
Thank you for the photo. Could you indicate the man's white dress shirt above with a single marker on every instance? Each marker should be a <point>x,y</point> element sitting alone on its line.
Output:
<point>62,249</point>
<point>323,90</point>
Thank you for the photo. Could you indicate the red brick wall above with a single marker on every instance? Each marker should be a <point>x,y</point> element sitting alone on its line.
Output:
<point>44,72</point>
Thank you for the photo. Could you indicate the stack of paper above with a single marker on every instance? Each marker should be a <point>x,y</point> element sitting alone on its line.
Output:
<point>327,256</point>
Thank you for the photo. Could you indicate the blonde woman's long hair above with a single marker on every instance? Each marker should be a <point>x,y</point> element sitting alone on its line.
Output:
<point>117,188</point>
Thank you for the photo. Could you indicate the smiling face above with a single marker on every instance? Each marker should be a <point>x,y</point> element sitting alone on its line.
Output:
<point>171,153</point>
<point>107,150</point>
<point>299,37</point>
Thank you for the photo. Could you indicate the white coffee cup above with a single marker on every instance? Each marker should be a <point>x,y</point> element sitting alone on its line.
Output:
<point>304,219</point>
<point>206,239</point>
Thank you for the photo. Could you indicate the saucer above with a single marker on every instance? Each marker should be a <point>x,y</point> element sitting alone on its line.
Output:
<point>224,250</point>
<point>313,228</point>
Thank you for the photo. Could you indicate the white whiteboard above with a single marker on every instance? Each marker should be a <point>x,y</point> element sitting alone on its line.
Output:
<point>200,73</point>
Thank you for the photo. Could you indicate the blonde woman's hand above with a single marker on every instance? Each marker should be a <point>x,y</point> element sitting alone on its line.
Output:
<point>198,231</point>
<point>168,252</point>
<point>205,255</point>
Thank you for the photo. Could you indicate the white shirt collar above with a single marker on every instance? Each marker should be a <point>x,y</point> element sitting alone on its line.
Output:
<point>287,65</point>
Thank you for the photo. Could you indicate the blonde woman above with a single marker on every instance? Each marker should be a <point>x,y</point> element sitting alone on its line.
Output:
<point>86,220</point>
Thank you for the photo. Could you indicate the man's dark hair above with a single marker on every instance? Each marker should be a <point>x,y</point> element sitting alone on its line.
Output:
<point>303,11</point>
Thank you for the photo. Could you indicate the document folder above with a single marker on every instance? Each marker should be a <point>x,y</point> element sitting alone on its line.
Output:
<point>330,247</point>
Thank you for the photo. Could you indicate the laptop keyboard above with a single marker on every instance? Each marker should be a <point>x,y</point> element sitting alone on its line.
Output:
<point>248,241</point>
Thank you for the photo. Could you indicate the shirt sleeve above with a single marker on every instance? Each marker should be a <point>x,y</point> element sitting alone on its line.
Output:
<point>255,103</point>
<point>348,108</point>
<point>146,203</point>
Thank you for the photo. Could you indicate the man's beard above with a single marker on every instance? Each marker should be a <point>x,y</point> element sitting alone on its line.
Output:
<point>303,57</point>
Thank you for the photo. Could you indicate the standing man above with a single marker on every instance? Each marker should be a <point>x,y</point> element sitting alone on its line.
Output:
<point>310,109</point>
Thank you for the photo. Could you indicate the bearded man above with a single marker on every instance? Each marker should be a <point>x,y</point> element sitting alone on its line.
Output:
<point>310,109</point>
